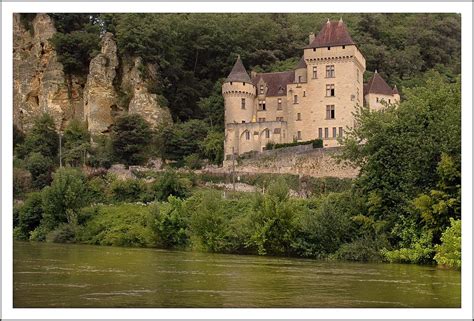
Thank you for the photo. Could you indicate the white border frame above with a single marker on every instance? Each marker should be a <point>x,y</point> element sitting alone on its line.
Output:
<point>8,8</point>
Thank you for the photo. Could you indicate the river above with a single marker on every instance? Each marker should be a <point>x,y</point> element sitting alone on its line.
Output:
<point>72,275</point>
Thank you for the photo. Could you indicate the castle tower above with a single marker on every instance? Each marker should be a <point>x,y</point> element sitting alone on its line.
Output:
<point>239,104</point>
<point>377,93</point>
<point>335,69</point>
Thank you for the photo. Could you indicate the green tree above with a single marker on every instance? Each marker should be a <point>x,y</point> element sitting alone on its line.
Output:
<point>212,147</point>
<point>170,223</point>
<point>67,194</point>
<point>40,168</point>
<point>76,143</point>
<point>42,138</point>
<point>449,251</point>
<point>170,184</point>
<point>130,138</point>
<point>31,213</point>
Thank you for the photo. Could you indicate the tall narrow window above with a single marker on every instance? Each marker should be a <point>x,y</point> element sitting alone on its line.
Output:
<point>326,132</point>
<point>298,136</point>
<point>330,73</point>
<point>298,116</point>
<point>242,103</point>
<point>357,93</point>
<point>295,99</point>
<point>304,93</point>
<point>330,90</point>
<point>247,135</point>
<point>377,99</point>
<point>330,112</point>
<point>315,72</point>
<point>267,133</point>
<point>334,132</point>
<point>341,132</point>
<point>261,89</point>
<point>300,78</point>
<point>320,133</point>
<point>262,105</point>
<point>279,107</point>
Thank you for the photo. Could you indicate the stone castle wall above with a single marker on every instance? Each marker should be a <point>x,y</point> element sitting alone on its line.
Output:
<point>299,160</point>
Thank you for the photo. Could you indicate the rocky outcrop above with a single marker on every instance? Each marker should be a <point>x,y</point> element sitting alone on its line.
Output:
<point>39,83</point>
<point>100,97</point>
<point>142,101</point>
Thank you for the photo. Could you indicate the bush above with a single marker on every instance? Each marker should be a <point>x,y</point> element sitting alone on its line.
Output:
<point>193,161</point>
<point>39,234</point>
<point>362,249</point>
<point>171,184</point>
<point>64,233</point>
<point>22,182</point>
<point>30,213</point>
<point>130,190</point>
<point>316,143</point>
<point>118,225</point>
<point>448,253</point>
<point>421,251</point>
<point>170,223</point>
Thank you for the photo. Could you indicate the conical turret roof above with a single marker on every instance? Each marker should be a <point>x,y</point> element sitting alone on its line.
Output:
<point>238,72</point>
<point>377,85</point>
<point>301,64</point>
<point>333,33</point>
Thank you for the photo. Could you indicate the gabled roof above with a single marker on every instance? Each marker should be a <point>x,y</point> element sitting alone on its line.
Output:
<point>395,91</point>
<point>275,81</point>
<point>301,63</point>
<point>376,85</point>
<point>238,72</point>
<point>333,33</point>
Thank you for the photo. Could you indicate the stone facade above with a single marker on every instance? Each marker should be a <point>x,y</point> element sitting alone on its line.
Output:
<point>315,100</point>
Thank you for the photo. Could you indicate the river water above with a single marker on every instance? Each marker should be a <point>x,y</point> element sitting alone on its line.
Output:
<point>64,275</point>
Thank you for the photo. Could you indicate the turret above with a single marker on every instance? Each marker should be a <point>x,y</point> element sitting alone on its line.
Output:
<point>301,71</point>
<point>239,95</point>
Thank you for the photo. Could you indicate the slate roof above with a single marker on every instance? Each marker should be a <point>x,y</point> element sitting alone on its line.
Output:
<point>376,85</point>
<point>301,63</point>
<point>238,72</point>
<point>333,33</point>
<point>395,91</point>
<point>275,81</point>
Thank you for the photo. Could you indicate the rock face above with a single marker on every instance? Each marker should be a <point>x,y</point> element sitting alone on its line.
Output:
<point>143,102</point>
<point>39,83</point>
<point>100,97</point>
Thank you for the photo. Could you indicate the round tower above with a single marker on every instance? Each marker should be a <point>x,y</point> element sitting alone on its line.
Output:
<point>239,95</point>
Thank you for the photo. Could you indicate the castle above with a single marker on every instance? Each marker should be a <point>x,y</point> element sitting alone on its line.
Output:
<point>315,100</point>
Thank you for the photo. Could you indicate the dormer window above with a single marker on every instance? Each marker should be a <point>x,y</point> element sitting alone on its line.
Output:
<point>261,89</point>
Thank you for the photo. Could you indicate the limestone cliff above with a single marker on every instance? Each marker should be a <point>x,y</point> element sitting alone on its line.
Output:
<point>142,101</point>
<point>40,84</point>
<point>100,97</point>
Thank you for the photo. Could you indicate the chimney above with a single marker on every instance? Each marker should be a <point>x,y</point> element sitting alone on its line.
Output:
<point>311,37</point>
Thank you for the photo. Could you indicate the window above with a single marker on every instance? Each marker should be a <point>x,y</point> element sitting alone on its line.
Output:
<point>357,75</point>
<point>277,131</point>
<point>243,103</point>
<point>279,119</point>
<point>320,133</point>
<point>295,99</point>
<point>329,48</point>
<point>389,101</point>
<point>243,121</point>
<point>341,132</point>
<point>314,49</point>
<point>330,90</point>
<point>298,136</point>
<point>315,72</point>
<point>343,47</point>
<point>279,104</point>
<point>304,93</point>
<point>298,116</point>
<point>326,132</point>
<point>330,112</point>
<point>357,93</point>
<point>261,89</point>
<point>244,84</point>
<point>262,105</point>
<point>300,78</point>
<point>377,99</point>
<point>334,132</point>
<point>261,120</point>
<point>247,135</point>
<point>267,133</point>
<point>330,71</point>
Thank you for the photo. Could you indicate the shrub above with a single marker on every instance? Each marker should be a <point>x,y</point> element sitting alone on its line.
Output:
<point>316,143</point>
<point>39,234</point>
<point>421,251</point>
<point>118,225</point>
<point>170,223</point>
<point>64,233</point>
<point>171,184</point>
<point>22,182</point>
<point>193,161</point>
<point>362,249</point>
<point>30,213</point>
<point>40,168</point>
<point>448,253</point>
<point>130,190</point>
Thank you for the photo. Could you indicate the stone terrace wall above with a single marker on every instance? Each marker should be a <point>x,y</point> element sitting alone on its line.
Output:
<point>300,160</point>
